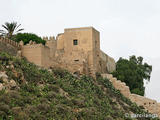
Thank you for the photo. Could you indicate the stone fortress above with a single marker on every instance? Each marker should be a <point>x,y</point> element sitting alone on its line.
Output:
<point>78,51</point>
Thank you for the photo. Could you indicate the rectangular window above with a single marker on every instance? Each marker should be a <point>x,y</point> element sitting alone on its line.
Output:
<point>75,42</point>
<point>76,60</point>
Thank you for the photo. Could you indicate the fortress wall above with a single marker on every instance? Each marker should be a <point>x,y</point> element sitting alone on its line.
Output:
<point>150,105</point>
<point>63,49</point>
<point>96,49</point>
<point>9,46</point>
<point>10,42</point>
<point>60,41</point>
<point>84,38</point>
<point>103,56</point>
<point>111,64</point>
<point>52,45</point>
<point>37,53</point>
<point>88,49</point>
<point>158,108</point>
<point>33,53</point>
<point>108,63</point>
<point>76,61</point>
<point>45,54</point>
<point>103,62</point>
<point>79,67</point>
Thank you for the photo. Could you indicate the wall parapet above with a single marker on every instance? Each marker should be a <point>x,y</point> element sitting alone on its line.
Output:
<point>150,105</point>
<point>48,38</point>
<point>11,42</point>
<point>33,46</point>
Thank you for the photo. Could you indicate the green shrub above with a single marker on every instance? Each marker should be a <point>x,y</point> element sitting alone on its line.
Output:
<point>51,95</point>
<point>22,116</point>
<point>59,72</point>
<point>43,108</point>
<point>16,110</point>
<point>4,98</point>
<point>26,37</point>
<point>5,108</point>
<point>78,102</point>
<point>52,88</point>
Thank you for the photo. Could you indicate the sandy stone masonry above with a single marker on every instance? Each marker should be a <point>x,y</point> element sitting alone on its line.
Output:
<point>10,46</point>
<point>11,42</point>
<point>150,105</point>
<point>77,50</point>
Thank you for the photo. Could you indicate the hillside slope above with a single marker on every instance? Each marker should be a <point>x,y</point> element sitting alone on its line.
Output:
<point>28,92</point>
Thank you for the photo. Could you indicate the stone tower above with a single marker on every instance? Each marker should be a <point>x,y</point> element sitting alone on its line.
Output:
<point>81,44</point>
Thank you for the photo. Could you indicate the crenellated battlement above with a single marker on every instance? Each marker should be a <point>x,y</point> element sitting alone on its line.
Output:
<point>150,105</point>
<point>33,45</point>
<point>11,42</point>
<point>51,38</point>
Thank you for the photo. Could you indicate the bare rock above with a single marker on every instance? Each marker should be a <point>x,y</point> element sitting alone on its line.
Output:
<point>7,66</point>
<point>23,81</point>
<point>3,75</point>
<point>16,74</point>
<point>12,84</point>
<point>12,66</point>
<point>41,86</point>
<point>49,70</point>
<point>19,53</point>
<point>1,86</point>
<point>5,80</point>
<point>63,93</point>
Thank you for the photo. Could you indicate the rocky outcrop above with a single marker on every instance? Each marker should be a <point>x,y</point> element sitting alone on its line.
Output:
<point>1,86</point>
<point>5,83</point>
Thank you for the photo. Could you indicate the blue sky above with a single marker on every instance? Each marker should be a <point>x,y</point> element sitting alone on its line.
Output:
<point>127,27</point>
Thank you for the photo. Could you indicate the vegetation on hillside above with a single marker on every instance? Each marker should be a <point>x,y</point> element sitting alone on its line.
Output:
<point>10,29</point>
<point>56,94</point>
<point>133,72</point>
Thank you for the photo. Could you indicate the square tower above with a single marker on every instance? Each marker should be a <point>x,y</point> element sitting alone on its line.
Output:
<point>85,41</point>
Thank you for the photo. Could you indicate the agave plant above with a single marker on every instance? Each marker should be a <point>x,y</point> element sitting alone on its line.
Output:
<point>10,29</point>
